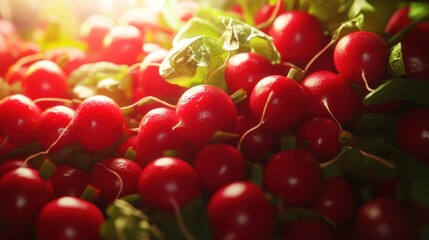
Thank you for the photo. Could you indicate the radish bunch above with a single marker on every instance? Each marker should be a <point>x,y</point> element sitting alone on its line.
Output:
<point>264,123</point>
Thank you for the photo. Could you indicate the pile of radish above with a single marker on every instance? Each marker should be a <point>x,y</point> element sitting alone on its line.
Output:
<point>253,120</point>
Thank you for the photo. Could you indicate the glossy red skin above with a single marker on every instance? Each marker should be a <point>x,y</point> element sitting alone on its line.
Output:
<point>153,83</point>
<point>168,179</point>
<point>411,133</point>
<point>297,35</point>
<point>202,110</point>
<point>287,105</point>
<point>10,165</point>
<point>93,30</point>
<point>123,44</point>
<point>109,184</point>
<point>218,165</point>
<point>325,61</point>
<point>307,229</point>
<point>244,70</point>
<point>398,21</point>
<point>293,175</point>
<point>240,210</point>
<point>338,93</point>
<point>132,143</point>
<point>359,52</point>
<point>69,58</point>
<point>53,121</point>
<point>68,181</point>
<point>6,57</point>
<point>265,12</point>
<point>383,218</point>
<point>156,134</point>
<point>69,218</point>
<point>320,136</point>
<point>19,117</point>
<point>335,200</point>
<point>23,193</point>
<point>414,52</point>
<point>258,144</point>
<point>98,122</point>
<point>45,79</point>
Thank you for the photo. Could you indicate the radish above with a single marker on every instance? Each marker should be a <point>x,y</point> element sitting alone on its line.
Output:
<point>23,193</point>
<point>45,79</point>
<point>218,165</point>
<point>123,44</point>
<point>68,181</point>
<point>204,110</point>
<point>93,30</point>
<point>240,210</point>
<point>294,176</point>
<point>335,200</point>
<point>320,136</point>
<point>168,184</point>
<point>19,118</point>
<point>329,95</point>
<point>283,100</point>
<point>115,178</point>
<point>412,133</point>
<point>361,57</point>
<point>297,35</point>
<point>69,218</point>
<point>53,121</point>
<point>98,123</point>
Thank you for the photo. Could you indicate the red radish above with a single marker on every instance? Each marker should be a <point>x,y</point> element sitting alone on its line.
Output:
<point>204,110</point>
<point>156,135</point>
<point>307,229</point>
<point>240,210</point>
<point>52,123</point>
<point>93,30</point>
<point>361,57</point>
<point>218,165</point>
<point>383,218</point>
<point>23,193</point>
<point>10,165</point>
<point>268,11</point>
<point>167,183</point>
<point>123,44</point>
<point>329,95</point>
<point>6,57</point>
<point>68,181</point>
<point>257,145</point>
<point>297,35</point>
<point>153,83</point>
<point>98,123</point>
<point>282,100</point>
<point>320,136</point>
<point>132,143</point>
<point>293,175</point>
<point>335,200</point>
<point>69,218</point>
<point>45,79</point>
<point>115,178</point>
<point>244,70</point>
<point>19,117</point>
<point>398,21</point>
<point>412,133</point>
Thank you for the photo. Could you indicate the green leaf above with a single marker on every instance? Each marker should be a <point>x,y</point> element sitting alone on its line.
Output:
<point>419,192</point>
<point>400,89</point>
<point>325,12</point>
<point>88,79</point>
<point>197,26</point>
<point>257,174</point>
<point>125,222</point>
<point>249,9</point>
<point>239,35</point>
<point>418,10</point>
<point>371,124</point>
<point>193,60</point>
